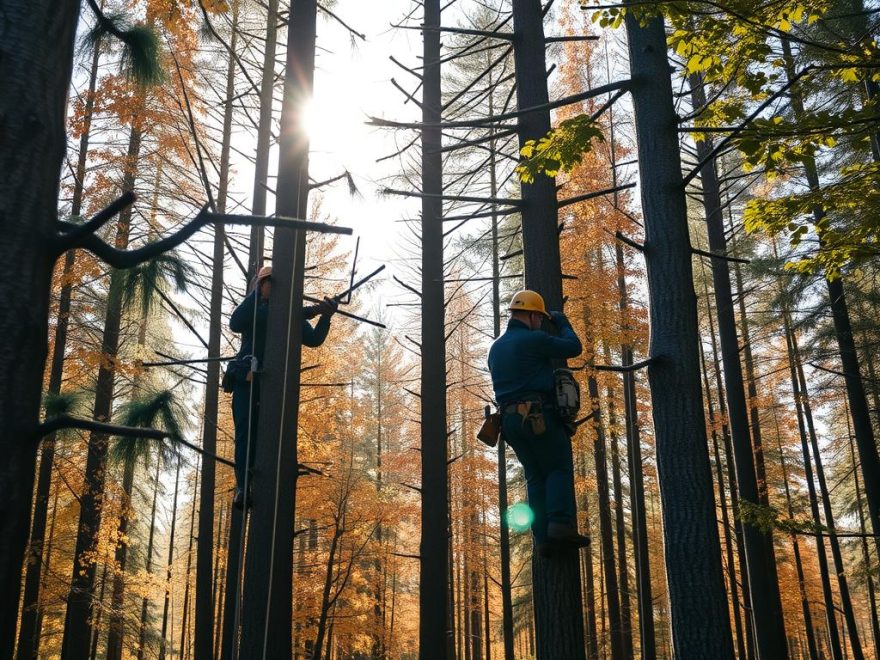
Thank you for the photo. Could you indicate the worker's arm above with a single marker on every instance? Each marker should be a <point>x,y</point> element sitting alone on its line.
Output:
<point>243,316</point>
<point>566,345</point>
<point>314,337</point>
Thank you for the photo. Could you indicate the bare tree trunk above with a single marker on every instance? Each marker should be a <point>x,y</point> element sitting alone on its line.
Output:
<point>869,578</point>
<point>35,69</point>
<point>29,632</point>
<point>693,552</point>
<point>722,498</point>
<point>163,638</point>
<point>760,556</point>
<point>433,550</point>
<point>77,624</point>
<point>805,604</point>
<point>559,629</point>
<point>268,591</point>
<point>619,524</point>
<point>831,622</point>
<point>117,606</point>
<point>592,642</point>
<point>204,615</point>
<point>184,644</point>
<point>145,602</point>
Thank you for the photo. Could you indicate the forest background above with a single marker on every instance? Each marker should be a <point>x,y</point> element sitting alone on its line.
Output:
<point>358,511</point>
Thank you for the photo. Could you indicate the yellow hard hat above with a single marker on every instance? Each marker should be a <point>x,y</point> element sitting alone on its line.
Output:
<point>528,301</point>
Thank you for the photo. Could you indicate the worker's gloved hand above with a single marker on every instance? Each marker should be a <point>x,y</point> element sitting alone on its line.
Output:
<point>559,318</point>
<point>328,306</point>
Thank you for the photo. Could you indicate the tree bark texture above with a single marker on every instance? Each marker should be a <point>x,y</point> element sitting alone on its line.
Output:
<point>268,588</point>
<point>767,614</point>
<point>434,547</point>
<point>36,59</point>
<point>693,552</point>
<point>556,591</point>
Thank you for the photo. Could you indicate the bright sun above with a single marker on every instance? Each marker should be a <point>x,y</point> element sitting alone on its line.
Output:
<point>333,128</point>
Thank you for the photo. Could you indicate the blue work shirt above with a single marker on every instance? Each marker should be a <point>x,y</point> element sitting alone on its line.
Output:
<point>242,321</point>
<point>521,360</point>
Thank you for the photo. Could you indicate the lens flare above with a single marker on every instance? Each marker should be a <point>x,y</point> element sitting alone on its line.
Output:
<point>520,517</point>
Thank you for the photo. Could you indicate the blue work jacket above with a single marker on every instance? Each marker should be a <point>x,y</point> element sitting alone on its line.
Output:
<point>242,321</point>
<point>521,360</point>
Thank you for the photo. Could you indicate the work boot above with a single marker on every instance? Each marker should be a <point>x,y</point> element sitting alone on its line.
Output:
<point>566,533</point>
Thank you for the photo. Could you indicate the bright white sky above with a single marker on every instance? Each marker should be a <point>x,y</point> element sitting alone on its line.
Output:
<point>352,83</point>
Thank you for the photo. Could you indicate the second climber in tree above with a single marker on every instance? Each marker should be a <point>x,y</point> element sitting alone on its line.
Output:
<point>521,362</point>
<point>249,319</point>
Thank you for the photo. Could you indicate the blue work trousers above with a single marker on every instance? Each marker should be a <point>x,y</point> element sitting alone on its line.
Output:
<point>245,408</point>
<point>548,467</point>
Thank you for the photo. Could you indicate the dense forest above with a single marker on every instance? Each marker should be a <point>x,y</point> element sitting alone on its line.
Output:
<point>696,184</point>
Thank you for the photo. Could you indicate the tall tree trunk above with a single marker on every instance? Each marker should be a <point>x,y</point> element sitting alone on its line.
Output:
<point>842,583</point>
<point>264,136</point>
<point>148,565</point>
<point>805,604</point>
<point>29,632</point>
<point>77,624</point>
<point>606,532</point>
<point>268,591</point>
<point>204,615</point>
<point>636,476</point>
<point>184,623</point>
<point>117,606</point>
<point>761,572</point>
<point>589,588</point>
<point>559,629</point>
<point>96,628</point>
<point>869,578</point>
<point>433,549</point>
<point>325,605</point>
<point>722,496</point>
<point>619,524</point>
<point>693,551</point>
<point>831,622</point>
<point>504,531</point>
<point>163,639</point>
<point>35,68</point>
<point>855,389</point>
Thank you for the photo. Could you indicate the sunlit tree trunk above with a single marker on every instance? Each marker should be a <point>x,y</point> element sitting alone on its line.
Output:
<point>163,639</point>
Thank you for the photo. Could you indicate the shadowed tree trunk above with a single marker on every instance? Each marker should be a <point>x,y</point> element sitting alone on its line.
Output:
<point>556,591</point>
<point>148,566</point>
<point>693,552</point>
<point>434,548</point>
<point>204,615</point>
<point>29,631</point>
<point>38,38</point>
<point>831,622</point>
<point>184,622</point>
<point>163,641</point>
<point>855,389</point>
<point>266,613</point>
<point>760,556</point>
<point>732,581</point>
<point>805,604</point>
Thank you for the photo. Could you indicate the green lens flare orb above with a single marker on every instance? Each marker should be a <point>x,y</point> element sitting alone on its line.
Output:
<point>520,517</point>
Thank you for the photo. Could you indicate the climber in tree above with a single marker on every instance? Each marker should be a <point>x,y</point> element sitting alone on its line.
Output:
<point>249,319</point>
<point>521,362</point>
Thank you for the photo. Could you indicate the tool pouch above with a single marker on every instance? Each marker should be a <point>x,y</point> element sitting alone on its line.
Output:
<point>236,371</point>
<point>491,429</point>
<point>532,414</point>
